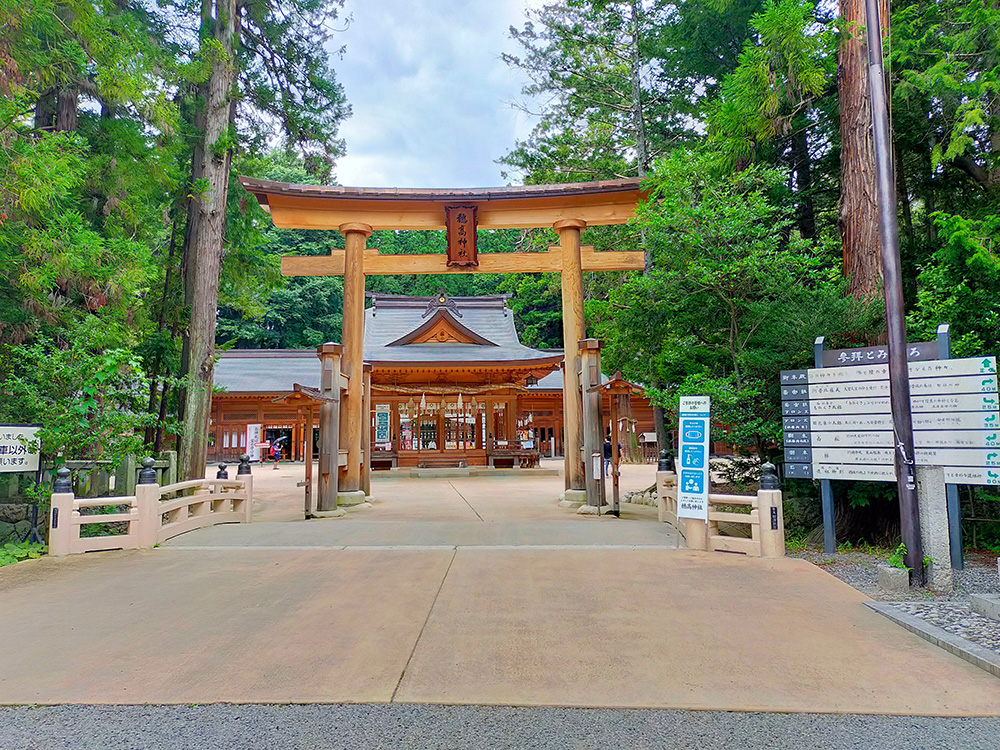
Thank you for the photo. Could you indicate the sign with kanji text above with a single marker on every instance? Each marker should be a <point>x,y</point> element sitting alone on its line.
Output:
<point>382,414</point>
<point>19,448</point>
<point>460,221</point>
<point>692,458</point>
<point>254,437</point>
<point>875,354</point>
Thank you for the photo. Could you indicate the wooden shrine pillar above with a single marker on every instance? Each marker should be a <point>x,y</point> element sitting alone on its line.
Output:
<point>352,422</point>
<point>593,422</point>
<point>366,432</point>
<point>573,331</point>
<point>329,431</point>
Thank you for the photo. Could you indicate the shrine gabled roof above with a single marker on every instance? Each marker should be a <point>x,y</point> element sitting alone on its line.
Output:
<point>391,320</point>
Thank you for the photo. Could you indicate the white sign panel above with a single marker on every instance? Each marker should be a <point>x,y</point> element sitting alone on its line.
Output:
<point>926,369</point>
<point>921,439</point>
<point>16,452</point>
<point>968,475</point>
<point>254,441</point>
<point>918,387</point>
<point>869,473</point>
<point>694,427</point>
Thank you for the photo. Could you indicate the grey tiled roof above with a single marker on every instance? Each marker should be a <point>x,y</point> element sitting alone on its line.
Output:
<point>267,371</point>
<point>392,318</point>
<point>389,319</point>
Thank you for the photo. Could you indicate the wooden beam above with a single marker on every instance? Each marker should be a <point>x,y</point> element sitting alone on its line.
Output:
<point>310,212</point>
<point>389,265</point>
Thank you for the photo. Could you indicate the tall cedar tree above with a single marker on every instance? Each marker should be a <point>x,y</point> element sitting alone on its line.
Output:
<point>265,67</point>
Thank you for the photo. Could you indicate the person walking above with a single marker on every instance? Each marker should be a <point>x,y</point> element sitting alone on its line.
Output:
<point>276,453</point>
<point>607,453</point>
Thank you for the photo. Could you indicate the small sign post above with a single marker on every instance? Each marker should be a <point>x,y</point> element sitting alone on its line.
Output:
<point>692,461</point>
<point>19,452</point>
<point>19,448</point>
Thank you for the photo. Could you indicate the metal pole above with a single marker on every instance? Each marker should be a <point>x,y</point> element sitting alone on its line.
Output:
<point>899,380</point>
<point>825,485</point>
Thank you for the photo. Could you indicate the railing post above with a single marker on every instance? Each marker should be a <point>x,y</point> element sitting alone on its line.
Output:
<point>244,475</point>
<point>170,473</point>
<point>222,473</point>
<point>666,484</point>
<point>147,500</point>
<point>771,513</point>
<point>61,519</point>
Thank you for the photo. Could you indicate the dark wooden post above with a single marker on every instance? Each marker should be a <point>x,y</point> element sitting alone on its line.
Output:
<point>366,434</point>
<point>329,430</point>
<point>593,433</point>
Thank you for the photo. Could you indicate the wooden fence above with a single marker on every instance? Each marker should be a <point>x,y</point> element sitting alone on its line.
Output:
<point>151,515</point>
<point>765,520</point>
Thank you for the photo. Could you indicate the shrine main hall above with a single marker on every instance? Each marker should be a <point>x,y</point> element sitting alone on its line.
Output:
<point>451,385</point>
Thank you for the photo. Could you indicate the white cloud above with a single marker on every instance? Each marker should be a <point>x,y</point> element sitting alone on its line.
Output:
<point>429,91</point>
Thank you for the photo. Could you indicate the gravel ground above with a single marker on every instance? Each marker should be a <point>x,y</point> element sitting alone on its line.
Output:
<point>860,570</point>
<point>957,618</point>
<point>320,727</point>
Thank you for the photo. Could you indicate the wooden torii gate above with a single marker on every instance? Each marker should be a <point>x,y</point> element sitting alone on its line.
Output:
<point>356,212</point>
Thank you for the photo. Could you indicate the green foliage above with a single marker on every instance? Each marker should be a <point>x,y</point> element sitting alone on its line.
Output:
<point>88,397</point>
<point>782,70</point>
<point>734,297</point>
<point>13,552</point>
<point>898,556</point>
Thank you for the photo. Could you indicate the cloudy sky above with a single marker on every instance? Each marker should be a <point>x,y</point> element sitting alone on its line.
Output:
<point>429,91</point>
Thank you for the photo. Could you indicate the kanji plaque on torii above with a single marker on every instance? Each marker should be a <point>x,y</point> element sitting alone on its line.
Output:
<point>461,228</point>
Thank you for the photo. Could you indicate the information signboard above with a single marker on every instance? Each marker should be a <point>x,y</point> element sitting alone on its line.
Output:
<point>694,429</point>
<point>253,439</point>
<point>838,424</point>
<point>19,448</point>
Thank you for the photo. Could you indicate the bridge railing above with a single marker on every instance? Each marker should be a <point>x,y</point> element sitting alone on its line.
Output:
<point>764,517</point>
<point>150,516</point>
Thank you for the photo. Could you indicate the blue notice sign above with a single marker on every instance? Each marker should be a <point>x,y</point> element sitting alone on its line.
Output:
<point>694,428</point>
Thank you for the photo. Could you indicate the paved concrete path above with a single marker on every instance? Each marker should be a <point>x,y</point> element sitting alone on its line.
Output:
<point>420,727</point>
<point>652,628</point>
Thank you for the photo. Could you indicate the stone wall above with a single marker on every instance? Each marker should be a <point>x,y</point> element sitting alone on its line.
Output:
<point>15,522</point>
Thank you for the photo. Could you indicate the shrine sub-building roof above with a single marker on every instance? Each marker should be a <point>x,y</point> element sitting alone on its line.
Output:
<point>461,338</point>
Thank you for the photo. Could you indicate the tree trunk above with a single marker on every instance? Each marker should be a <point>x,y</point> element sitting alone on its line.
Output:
<point>203,243</point>
<point>45,110</point>
<point>803,182</point>
<point>858,219</point>
<point>663,441</point>
<point>66,109</point>
<point>904,195</point>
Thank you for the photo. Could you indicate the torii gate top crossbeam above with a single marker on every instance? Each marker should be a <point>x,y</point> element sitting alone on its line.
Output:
<point>518,207</point>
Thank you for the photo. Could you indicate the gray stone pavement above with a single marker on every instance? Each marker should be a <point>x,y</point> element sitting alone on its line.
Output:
<point>477,592</point>
<point>359,727</point>
<point>361,533</point>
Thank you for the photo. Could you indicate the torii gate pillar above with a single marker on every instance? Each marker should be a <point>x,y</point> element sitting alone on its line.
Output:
<point>350,490</point>
<point>573,331</point>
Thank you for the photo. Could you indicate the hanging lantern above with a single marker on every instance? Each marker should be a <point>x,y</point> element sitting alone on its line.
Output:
<point>459,401</point>
<point>423,402</point>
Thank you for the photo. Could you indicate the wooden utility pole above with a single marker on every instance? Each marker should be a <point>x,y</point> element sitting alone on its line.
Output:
<point>899,378</point>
